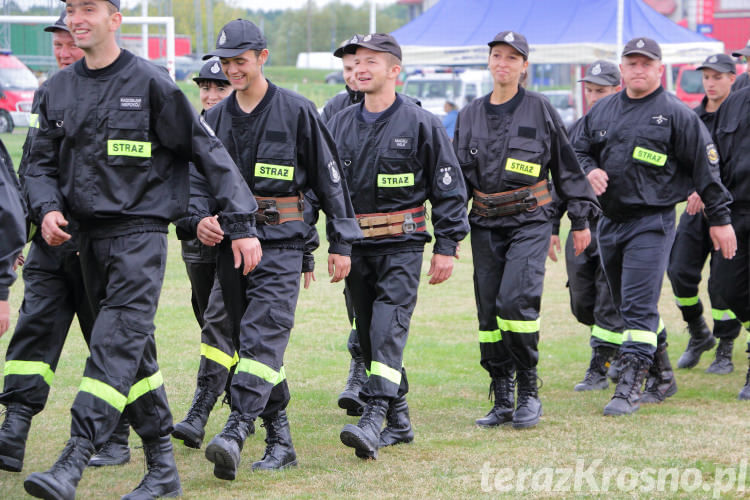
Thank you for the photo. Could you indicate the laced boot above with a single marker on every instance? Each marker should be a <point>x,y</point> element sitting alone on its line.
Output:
<point>660,381</point>
<point>365,436</point>
<point>13,435</point>
<point>701,340</point>
<point>503,389</point>
<point>615,367</point>
<point>529,407</point>
<point>596,374</point>
<point>192,429</point>
<point>722,365</point>
<point>116,450</point>
<point>280,452</point>
<point>161,479</point>
<point>398,425</point>
<point>224,449</point>
<point>349,398</point>
<point>626,399</point>
<point>61,480</point>
<point>744,394</point>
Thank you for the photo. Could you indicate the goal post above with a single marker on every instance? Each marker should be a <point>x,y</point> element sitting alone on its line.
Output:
<point>168,23</point>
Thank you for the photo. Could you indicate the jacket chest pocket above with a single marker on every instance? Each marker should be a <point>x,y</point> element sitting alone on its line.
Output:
<point>128,141</point>
<point>397,179</point>
<point>523,162</point>
<point>651,147</point>
<point>275,168</point>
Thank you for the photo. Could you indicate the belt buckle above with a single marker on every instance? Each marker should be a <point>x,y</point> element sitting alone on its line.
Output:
<point>272,216</point>
<point>409,225</point>
<point>267,204</point>
<point>533,203</point>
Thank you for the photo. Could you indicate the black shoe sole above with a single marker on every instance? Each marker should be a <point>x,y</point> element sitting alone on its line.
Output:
<point>37,487</point>
<point>224,466</point>
<point>353,406</point>
<point>109,461</point>
<point>257,468</point>
<point>11,464</point>
<point>188,439</point>
<point>139,494</point>
<point>361,448</point>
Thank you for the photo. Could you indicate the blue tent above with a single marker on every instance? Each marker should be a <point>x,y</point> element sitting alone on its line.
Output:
<point>563,31</point>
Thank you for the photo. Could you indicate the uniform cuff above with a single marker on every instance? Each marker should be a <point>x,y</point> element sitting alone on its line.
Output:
<point>4,293</point>
<point>340,248</point>
<point>308,263</point>
<point>445,246</point>
<point>578,224</point>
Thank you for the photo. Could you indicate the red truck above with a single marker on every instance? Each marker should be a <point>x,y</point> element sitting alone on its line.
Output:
<point>17,86</point>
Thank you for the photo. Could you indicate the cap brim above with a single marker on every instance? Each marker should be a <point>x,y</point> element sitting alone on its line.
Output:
<point>198,79</point>
<point>599,81</point>
<point>498,42</point>
<point>742,52</point>
<point>339,52</point>
<point>352,48</point>
<point>721,68</point>
<point>642,53</point>
<point>52,27</point>
<point>227,52</point>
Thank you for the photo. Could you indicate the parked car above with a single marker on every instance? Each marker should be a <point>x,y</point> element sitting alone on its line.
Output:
<point>460,87</point>
<point>17,86</point>
<point>562,100</point>
<point>335,77</point>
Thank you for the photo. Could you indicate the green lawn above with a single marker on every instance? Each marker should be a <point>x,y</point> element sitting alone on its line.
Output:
<point>702,427</point>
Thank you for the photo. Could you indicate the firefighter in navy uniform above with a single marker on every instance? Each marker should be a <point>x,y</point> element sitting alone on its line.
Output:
<point>12,235</point>
<point>590,298</point>
<point>732,134</point>
<point>282,149</point>
<point>112,150</point>
<point>508,144</point>
<point>395,157</point>
<point>350,95</point>
<point>53,294</point>
<point>744,79</point>
<point>643,151</point>
<point>692,245</point>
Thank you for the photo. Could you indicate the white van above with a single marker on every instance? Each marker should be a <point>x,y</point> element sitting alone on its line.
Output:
<point>433,89</point>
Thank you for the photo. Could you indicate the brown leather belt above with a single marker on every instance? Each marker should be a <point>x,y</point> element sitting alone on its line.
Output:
<point>273,211</point>
<point>525,199</point>
<point>383,224</point>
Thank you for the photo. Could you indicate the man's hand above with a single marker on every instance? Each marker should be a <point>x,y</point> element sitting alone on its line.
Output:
<point>338,267</point>
<point>724,239</point>
<point>51,232</point>
<point>246,250</point>
<point>441,268</point>
<point>4,316</point>
<point>554,247</point>
<point>209,231</point>
<point>309,278</point>
<point>581,240</point>
<point>599,180</point>
<point>20,260</point>
<point>694,204</point>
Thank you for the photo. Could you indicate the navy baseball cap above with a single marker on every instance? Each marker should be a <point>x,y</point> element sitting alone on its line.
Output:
<point>211,71</point>
<point>719,62</point>
<point>602,72</point>
<point>59,24</point>
<point>339,52</point>
<point>236,37</point>
<point>116,3</point>
<point>514,39</point>
<point>643,46</point>
<point>743,52</point>
<point>379,42</point>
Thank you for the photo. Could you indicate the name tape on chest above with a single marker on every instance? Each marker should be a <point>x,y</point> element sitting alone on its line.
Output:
<point>395,180</point>
<point>135,103</point>
<point>269,171</point>
<point>650,157</point>
<point>138,149</point>
<point>33,120</point>
<point>523,167</point>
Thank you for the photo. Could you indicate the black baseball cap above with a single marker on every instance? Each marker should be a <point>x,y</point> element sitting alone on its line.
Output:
<point>116,3</point>
<point>211,71</point>
<point>719,62</point>
<point>743,52</point>
<point>602,72</point>
<point>379,42</point>
<point>643,46</point>
<point>339,52</point>
<point>59,24</point>
<point>236,37</point>
<point>514,39</point>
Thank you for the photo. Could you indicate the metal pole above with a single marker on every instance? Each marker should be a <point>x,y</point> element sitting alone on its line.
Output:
<point>620,21</point>
<point>309,31</point>
<point>144,30</point>
<point>198,27</point>
<point>210,38</point>
<point>373,24</point>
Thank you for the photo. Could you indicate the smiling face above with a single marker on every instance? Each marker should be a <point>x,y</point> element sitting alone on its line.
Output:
<point>348,62</point>
<point>641,74</point>
<point>506,65</point>
<point>212,92</point>
<point>375,71</point>
<point>717,85</point>
<point>91,22</point>
<point>64,48</point>
<point>245,69</point>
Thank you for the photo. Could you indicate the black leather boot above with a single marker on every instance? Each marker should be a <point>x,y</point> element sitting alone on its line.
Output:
<point>596,374</point>
<point>744,394</point>
<point>116,450</point>
<point>280,452</point>
<point>701,340</point>
<point>192,429</point>
<point>398,425</point>
<point>723,365</point>
<point>349,398</point>
<point>161,479</point>
<point>660,381</point>
<point>627,397</point>
<point>503,388</point>
<point>60,482</point>
<point>224,449</point>
<point>365,436</point>
<point>529,407</point>
<point>13,435</point>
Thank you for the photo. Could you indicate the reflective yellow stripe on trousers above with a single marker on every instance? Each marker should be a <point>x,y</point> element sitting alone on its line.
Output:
<point>262,371</point>
<point>606,335</point>
<point>519,326</point>
<point>218,356</point>
<point>15,367</point>
<point>642,336</point>
<point>385,371</point>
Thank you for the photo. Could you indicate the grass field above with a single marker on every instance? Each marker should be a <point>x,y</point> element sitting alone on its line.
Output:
<point>701,431</point>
